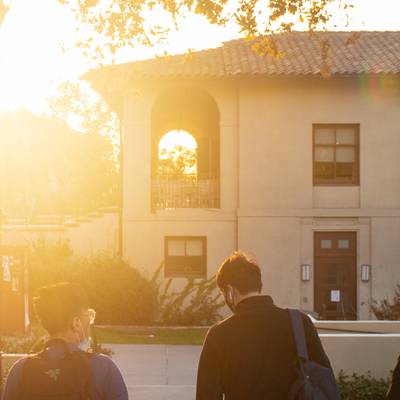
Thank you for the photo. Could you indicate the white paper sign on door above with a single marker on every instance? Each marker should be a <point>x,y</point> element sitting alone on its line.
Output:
<point>335,296</point>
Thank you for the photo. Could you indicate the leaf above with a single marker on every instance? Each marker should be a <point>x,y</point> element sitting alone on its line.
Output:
<point>121,24</point>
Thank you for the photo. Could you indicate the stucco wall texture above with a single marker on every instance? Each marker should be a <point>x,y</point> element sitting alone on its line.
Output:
<point>269,206</point>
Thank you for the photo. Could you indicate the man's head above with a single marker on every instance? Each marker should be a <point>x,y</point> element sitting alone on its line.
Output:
<point>239,277</point>
<point>63,311</point>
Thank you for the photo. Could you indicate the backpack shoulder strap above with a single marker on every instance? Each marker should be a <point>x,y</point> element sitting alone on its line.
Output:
<point>298,333</point>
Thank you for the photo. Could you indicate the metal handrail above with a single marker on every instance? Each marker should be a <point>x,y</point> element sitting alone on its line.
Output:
<point>189,191</point>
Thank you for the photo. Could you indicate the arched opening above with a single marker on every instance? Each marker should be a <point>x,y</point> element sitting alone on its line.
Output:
<point>177,155</point>
<point>185,150</point>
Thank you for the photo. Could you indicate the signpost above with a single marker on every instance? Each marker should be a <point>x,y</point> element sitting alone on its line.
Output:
<point>14,300</point>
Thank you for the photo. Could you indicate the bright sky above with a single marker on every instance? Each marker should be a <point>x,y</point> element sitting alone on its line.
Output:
<point>171,138</point>
<point>32,62</point>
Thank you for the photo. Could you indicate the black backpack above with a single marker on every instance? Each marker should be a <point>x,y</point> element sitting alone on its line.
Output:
<point>61,378</point>
<point>313,382</point>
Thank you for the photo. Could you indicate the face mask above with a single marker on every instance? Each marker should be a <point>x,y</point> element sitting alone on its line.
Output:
<point>84,344</point>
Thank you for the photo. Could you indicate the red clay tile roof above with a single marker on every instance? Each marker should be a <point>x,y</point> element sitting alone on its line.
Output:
<point>371,53</point>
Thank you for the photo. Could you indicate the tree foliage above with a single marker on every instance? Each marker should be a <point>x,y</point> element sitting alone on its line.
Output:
<point>77,105</point>
<point>177,162</point>
<point>116,24</point>
<point>47,168</point>
<point>3,11</point>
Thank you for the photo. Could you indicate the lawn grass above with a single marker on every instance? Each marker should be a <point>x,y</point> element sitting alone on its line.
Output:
<point>171,336</point>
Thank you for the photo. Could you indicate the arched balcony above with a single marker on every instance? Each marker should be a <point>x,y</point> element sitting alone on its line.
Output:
<point>185,151</point>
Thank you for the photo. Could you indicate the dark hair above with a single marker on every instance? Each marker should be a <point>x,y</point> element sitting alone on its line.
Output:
<point>58,304</point>
<point>241,272</point>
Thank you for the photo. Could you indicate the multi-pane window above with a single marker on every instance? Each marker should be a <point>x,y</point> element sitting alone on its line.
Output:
<point>336,154</point>
<point>185,256</point>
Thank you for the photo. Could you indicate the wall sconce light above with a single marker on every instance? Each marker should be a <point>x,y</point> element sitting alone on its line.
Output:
<point>365,272</point>
<point>305,272</point>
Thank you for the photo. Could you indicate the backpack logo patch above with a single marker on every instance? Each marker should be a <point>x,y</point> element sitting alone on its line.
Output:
<point>53,374</point>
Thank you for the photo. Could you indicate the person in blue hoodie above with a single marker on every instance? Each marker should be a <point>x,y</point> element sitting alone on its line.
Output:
<point>64,369</point>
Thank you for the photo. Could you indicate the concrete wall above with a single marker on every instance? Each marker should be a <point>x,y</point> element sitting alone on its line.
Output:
<point>276,118</point>
<point>362,354</point>
<point>280,209</point>
<point>88,236</point>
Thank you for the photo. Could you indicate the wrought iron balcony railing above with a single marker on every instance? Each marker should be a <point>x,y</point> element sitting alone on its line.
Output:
<point>189,191</point>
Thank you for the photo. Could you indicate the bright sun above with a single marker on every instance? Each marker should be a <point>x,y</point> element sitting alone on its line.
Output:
<point>177,138</point>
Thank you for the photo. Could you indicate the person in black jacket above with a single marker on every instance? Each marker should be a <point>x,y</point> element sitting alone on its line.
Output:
<point>394,390</point>
<point>251,354</point>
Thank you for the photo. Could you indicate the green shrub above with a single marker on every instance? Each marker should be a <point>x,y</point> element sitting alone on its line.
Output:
<point>117,291</point>
<point>387,309</point>
<point>120,294</point>
<point>198,303</point>
<point>361,387</point>
<point>24,344</point>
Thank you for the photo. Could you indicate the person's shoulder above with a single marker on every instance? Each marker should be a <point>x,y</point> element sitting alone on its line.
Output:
<point>18,365</point>
<point>308,320</point>
<point>217,330</point>
<point>107,378</point>
<point>102,366</point>
<point>13,380</point>
<point>100,359</point>
<point>223,324</point>
<point>308,324</point>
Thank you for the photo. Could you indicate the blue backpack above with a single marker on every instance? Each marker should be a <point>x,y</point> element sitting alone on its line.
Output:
<point>313,382</point>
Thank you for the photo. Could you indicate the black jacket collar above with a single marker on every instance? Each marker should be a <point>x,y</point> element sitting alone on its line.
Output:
<point>254,302</point>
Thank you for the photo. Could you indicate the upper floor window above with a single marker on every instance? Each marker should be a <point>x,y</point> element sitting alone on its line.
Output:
<point>336,154</point>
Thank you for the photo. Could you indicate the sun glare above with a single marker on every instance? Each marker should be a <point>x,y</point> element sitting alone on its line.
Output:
<point>177,152</point>
<point>176,138</point>
<point>32,63</point>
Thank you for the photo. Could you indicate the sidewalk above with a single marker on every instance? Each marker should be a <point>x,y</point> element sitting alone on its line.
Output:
<point>158,372</point>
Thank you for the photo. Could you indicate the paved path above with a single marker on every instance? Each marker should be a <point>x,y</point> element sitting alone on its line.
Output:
<point>158,372</point>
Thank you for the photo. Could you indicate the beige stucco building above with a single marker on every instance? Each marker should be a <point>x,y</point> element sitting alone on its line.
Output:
<point>300,170</point>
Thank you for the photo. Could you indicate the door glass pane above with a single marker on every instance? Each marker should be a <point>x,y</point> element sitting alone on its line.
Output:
<point>176,248</point>
<point>344,244</point>
<point>326,244</point>
<point>194,248</point>
<point>324,136</point>
<point>345,136</point>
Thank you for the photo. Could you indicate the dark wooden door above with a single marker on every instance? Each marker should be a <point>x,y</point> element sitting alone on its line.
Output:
<point>335,281</point>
